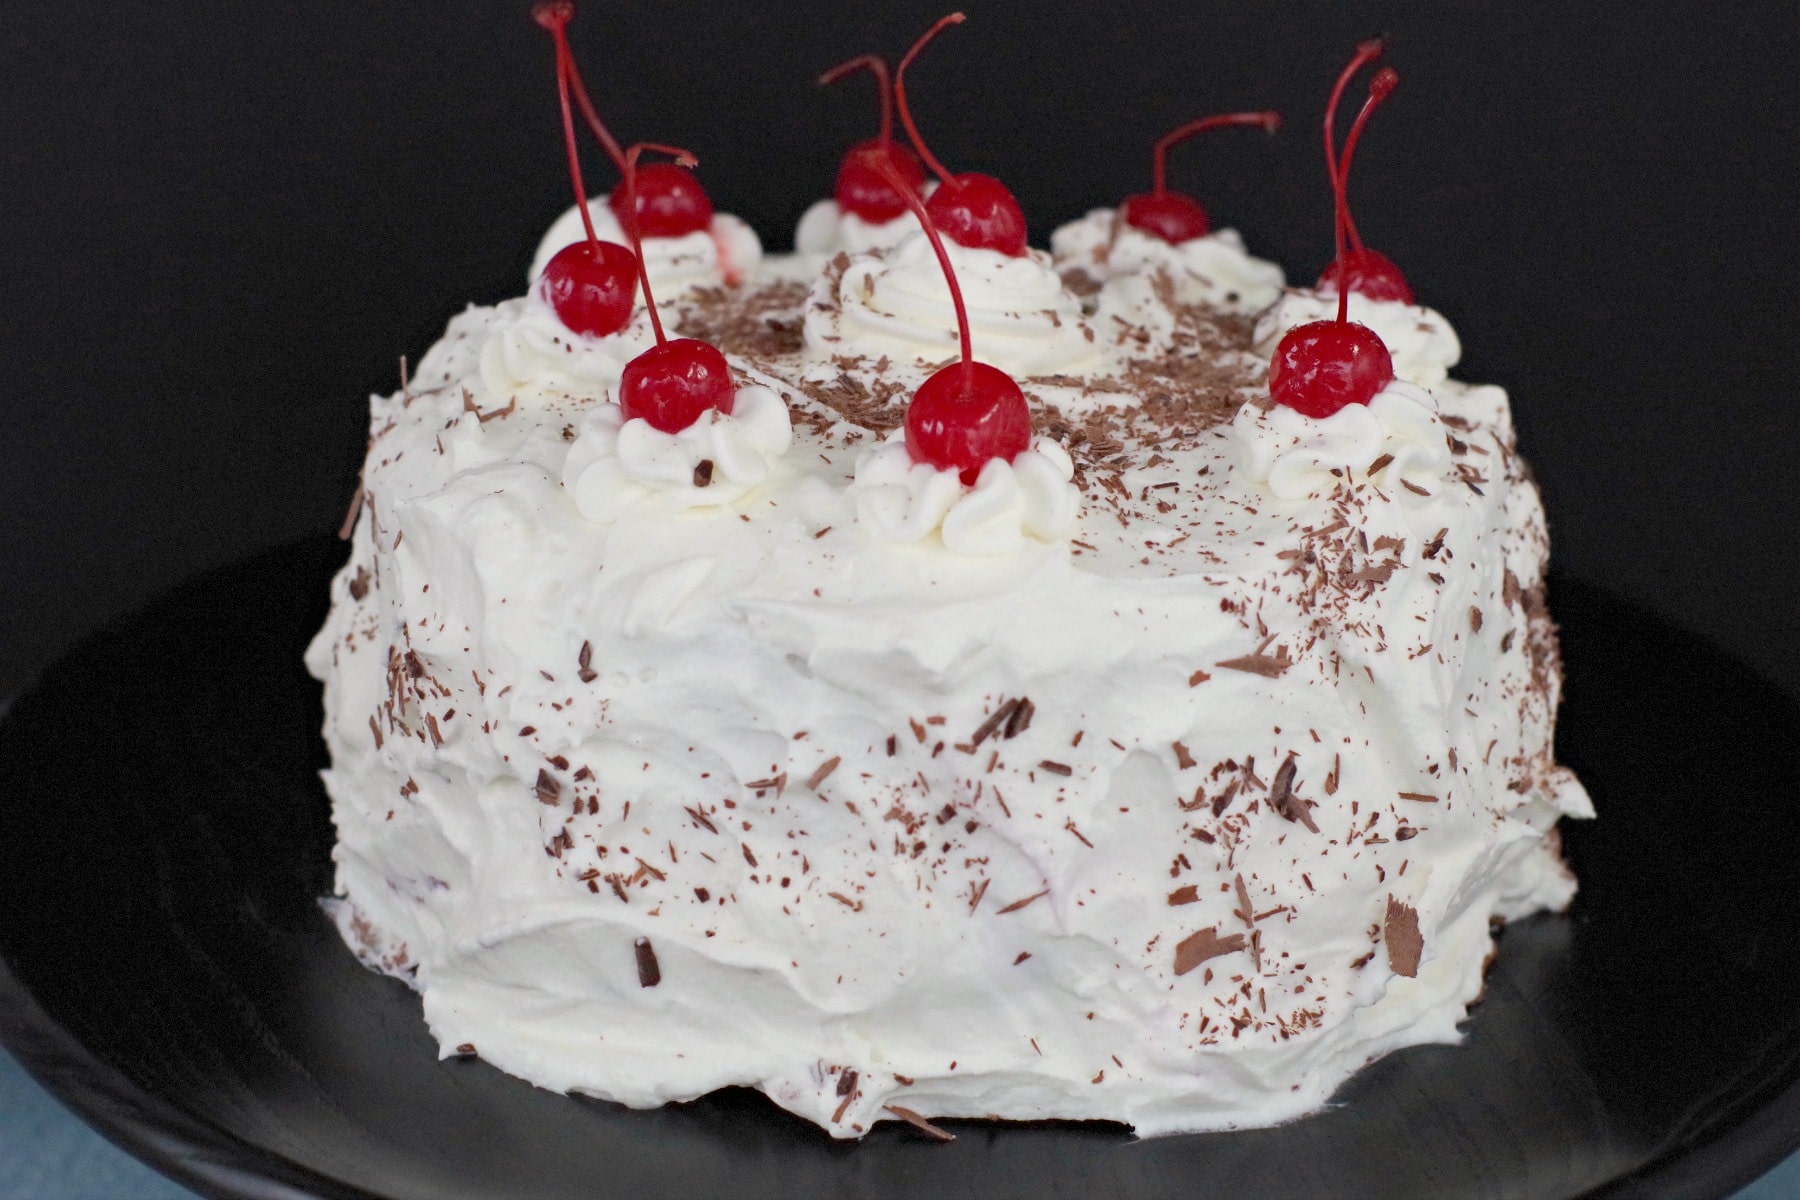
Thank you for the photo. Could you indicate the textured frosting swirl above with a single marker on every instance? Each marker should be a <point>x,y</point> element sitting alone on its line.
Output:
<point>900,500</point>
<point>896,303</point>
<point>1423,345</point>
<point>1215,269</point>
<point>1395,440</point>
<point>825,230</point>
<point>530,352</point>
<point>616,463</point>
<point>728,253</point>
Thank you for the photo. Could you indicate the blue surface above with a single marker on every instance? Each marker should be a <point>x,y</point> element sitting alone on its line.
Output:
<point>46,1153</point>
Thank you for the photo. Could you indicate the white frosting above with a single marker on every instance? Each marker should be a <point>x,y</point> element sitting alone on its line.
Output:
<point>529,352</point>
<point>726,254</point>
<point>778,750</point>
<point>900,500</point>
<point>1422,344</point>
<point>615,464</point>
<point>896,303</point>
<point>825,230</point>
<point>1399,433</point>
<point>1214,269</point>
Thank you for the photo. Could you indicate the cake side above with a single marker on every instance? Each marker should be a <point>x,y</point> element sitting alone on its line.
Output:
<point>1176,820</point>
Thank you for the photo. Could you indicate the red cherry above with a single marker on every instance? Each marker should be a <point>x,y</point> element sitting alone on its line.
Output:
<point>670,202</point>
<point>971,210</point>
<point>592,286</point>
<point>1323,365</point>
<point>1171,216</point>
<point>1367,272</point>
<point>1371,273</point>
<point>967,413</point>
<point>978,211</point>
<point>964,415</point>
<point>590,283</point>
<point>861,189</point>
<point>672,384</point>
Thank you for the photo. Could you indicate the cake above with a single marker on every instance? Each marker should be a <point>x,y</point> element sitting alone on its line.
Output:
<point>1166,772</point>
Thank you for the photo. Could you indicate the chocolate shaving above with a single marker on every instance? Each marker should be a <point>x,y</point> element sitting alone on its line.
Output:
<point>1374,468</point>
<point>585,660</point>
<point>1422,797</point>
<point>1283,799</point>
<point>1016,905</point>
<point>649,971</point>
<point>1197,948</point>
<point>847,1082</point>
<point>359,586</point>
<point>703,472</point>
<point>1404,944</point>
<point>920,1123</point>
<point>549,791</point>
<point>1270,666</point>
<point>1012,718</point>
<point>824,772</point>
<point>1056,768</point>
<point>1183,759</point>
<point>1474,620</point>
<point>1184,895</point>
<point>1198,678</point>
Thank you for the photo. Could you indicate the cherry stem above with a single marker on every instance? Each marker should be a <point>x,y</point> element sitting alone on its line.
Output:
<point>682,158</point>
<point>912,131</point>
<point>555,18</point>
<point>1366,52</point>
<point>1269,121</point>
<point>1380,88</point>
<point>555,15</point>
<point>899,184</point>
<point>876,66</point>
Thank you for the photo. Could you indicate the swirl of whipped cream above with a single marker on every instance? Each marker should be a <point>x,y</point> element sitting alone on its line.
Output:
<point>1422,343</point>
<point>1214,269</point>
<point>900,500</point>
<point>721,457</point>
<point>1398,438</point>
<point>529,351</point>
<point>826,229</point>
<point>895,302</point>
<point>726,254</point>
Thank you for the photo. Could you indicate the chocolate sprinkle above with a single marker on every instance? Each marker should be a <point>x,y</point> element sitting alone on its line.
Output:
<point>649,971</point>
<point>1056,768</point>
<point>920,1123</point>
<point>1401,932</point>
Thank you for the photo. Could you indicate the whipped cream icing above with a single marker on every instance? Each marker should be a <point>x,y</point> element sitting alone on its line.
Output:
<point>1214,269</point>
<point>1397,441</point>
<point>1423,345</point>
<point>826,229</point>
<point>900,500</point>
<point>719,459</point>
<point>728,253</point>
<point>1176,819</point>
<point>896,303</point>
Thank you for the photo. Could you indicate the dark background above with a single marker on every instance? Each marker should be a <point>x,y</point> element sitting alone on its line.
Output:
<point>223,223</point>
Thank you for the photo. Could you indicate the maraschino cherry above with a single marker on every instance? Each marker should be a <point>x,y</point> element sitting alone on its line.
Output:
<point>674,382</point>
<point>591,284</point>
<point>967,413</point>
<point>1322,366</point>
<point>1357,268</point>
<point>861,189</point>
<point>971,210</point>
<point>670,201</point>
<point>1172,216</point>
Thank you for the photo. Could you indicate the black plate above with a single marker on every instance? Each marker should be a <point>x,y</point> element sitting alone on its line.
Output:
<point>167,972</point>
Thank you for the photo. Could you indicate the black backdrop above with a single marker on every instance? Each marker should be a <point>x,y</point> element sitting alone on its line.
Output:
<point>223,222</point>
